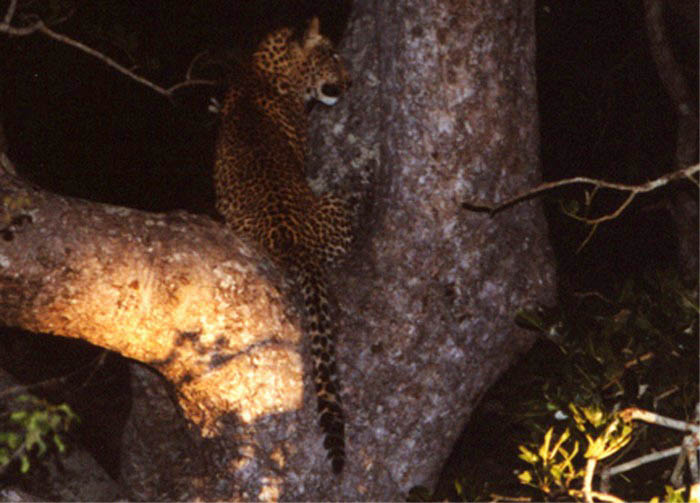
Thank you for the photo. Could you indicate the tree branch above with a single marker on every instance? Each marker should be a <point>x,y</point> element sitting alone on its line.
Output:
<point>173,291</point>
<point>634,190</point>
<point>10,12</point>
<point>41,27</point>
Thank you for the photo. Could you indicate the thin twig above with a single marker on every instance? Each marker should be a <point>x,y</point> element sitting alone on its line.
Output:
<point>690,446</point>
<point>633,413</point>
<point>687,451</point>
<point>633,190</point>
<point>676,478</point>
<point>602,496</point>
<point>606,497</point>
<point>642,460</point>
<point>10,12</point>
<point>41,27</point>
<point>622,187</point>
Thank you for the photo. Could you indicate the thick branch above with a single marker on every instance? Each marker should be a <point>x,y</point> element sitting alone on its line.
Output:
<point>174,291</point>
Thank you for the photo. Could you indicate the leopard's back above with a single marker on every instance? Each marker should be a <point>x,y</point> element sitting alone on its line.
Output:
<point>262,192</point>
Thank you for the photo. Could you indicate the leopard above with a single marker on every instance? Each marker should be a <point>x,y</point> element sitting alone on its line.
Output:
<point>263,194</point>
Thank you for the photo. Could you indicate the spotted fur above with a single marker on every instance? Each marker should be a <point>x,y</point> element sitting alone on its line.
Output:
<point>263,194</point>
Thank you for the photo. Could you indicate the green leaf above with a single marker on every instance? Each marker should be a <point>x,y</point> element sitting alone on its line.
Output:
<point>25,464</point>
<point>59,443</point>
<point>4,456</point>
<point>19,416</point>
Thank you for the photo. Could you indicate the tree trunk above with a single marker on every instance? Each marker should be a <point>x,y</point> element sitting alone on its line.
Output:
<point>442,110</point>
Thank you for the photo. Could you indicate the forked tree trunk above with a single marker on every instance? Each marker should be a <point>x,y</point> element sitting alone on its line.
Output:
<point>442,110</point>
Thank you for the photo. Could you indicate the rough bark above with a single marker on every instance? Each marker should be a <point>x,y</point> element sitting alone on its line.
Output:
<point>443,109</point>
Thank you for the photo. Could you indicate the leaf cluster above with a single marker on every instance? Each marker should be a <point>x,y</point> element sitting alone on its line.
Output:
<point>29,426</point>
<point>637,349</point>
<point>558,408</point>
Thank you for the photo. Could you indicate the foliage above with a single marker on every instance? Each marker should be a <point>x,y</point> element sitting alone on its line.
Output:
<point>672,495</point>
<point>30,426</point>
<point>625,351</point>
<point>637,349</point>
<point>559,470</point>
<point>559,406</point>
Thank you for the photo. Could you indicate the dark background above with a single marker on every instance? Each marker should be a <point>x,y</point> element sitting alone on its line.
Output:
<point>76,126</point>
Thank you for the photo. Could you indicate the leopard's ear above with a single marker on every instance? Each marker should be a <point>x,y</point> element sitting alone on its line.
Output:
<point>312,34</point>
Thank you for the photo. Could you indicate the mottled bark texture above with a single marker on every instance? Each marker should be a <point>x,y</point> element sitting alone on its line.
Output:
<point>442,110</point>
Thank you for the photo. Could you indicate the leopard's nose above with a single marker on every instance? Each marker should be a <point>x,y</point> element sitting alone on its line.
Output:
<point>330,90</point>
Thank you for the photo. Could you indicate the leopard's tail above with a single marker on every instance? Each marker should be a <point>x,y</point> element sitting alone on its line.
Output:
<point>325,374</point>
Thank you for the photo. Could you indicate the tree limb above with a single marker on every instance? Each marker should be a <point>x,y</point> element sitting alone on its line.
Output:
<point>173,291</point>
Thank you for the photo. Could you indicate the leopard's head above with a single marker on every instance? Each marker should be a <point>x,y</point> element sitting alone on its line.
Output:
<point>309,68</point>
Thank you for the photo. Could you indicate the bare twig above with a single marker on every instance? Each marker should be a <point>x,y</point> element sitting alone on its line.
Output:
<point>634,191</point>
<point>588,479</point>
<point>597,495</point>
<point>686,173</point>
<point>687,451</point>
<point>42,28</point>
<point>676,478</point>
<point>10,12</point>
<point>634,413</point>
<point>606,497</point>
<point>690,445</point>
<point>642,460</point>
